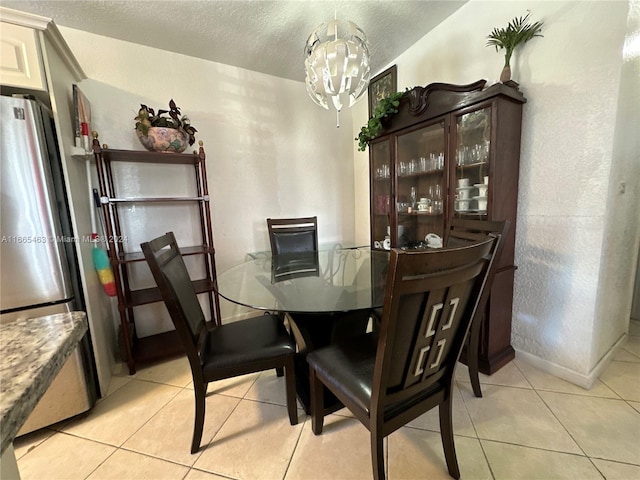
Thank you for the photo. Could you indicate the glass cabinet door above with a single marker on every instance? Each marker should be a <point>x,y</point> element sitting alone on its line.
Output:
<point>381,194</point>
<point>471,173</point>
<point>421,185</point>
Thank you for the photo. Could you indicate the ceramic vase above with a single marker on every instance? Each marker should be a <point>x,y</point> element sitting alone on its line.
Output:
<point>164,139</point>
<point>505,76</point>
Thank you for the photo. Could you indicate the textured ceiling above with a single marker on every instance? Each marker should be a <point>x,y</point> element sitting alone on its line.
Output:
<point>264,36</point>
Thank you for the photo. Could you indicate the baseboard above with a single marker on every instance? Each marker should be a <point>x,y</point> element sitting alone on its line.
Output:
<point>580,379</point>
<point>242,316</point>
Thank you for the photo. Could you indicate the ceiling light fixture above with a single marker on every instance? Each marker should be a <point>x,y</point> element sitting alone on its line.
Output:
<point>337,68</point>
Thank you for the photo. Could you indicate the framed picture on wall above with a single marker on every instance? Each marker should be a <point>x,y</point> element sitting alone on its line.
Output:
<point>381,86</point>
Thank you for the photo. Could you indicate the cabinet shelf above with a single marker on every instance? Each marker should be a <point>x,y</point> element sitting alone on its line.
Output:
<point>471,165</point>
<point>420,214</point>
<point>139,156</point>
<point>148,348</point>
<point>128,257</point>
<point>156,199</point>
<point>144,296</point>
<point>418,174</point>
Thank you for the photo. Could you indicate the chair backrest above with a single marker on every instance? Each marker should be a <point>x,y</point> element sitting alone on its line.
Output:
<point>464,232</point>
<point>430,300</point>
<point>291,235</point>
<point>172,277</point>
<point>294,265</point>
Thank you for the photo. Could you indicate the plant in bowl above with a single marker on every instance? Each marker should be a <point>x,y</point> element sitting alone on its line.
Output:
<point>387,106</point>
<point>164,133</point>
<point>518,31</point>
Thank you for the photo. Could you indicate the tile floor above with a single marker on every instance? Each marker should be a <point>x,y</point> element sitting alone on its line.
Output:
<point>528,425</point>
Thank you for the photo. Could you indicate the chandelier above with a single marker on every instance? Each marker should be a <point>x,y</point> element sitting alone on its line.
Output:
<point>337,68</point>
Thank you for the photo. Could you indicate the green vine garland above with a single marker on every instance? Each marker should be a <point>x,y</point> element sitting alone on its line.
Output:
<point>387,106</point>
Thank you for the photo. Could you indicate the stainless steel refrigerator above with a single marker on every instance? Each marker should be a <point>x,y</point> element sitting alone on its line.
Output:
<point>38,267</point>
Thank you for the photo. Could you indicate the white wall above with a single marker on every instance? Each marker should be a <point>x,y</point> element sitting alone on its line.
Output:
<point>270,150</point>
<point>577,236</point>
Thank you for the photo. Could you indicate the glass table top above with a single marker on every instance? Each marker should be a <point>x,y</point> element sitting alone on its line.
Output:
<point>317,282</point>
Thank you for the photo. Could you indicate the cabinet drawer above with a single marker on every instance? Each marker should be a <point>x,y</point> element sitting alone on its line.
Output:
<point>20,59</point>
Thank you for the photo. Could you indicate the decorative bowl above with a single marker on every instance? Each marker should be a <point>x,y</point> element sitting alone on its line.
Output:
<point>164,139</point>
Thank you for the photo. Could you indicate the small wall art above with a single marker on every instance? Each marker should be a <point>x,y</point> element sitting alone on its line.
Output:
<point>381,86</point>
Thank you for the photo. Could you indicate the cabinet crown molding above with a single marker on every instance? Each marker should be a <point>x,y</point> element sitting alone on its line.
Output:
<point>51,32</point>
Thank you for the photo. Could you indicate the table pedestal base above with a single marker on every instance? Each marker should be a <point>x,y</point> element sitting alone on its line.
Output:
<point>313,331</point>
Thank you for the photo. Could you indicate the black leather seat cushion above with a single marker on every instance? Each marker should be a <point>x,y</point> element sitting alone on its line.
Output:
<point>252,340</point>
<point>348,367</point>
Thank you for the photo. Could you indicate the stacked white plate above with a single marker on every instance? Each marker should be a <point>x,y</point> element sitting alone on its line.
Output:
<point>482,203</point>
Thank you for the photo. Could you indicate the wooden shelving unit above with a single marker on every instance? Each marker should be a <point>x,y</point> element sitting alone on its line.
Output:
<point>154,347</point>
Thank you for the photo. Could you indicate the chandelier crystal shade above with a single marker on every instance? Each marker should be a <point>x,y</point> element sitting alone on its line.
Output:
<point>337,68</point>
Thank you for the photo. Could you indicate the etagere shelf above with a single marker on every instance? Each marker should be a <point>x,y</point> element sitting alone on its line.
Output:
<point>138,349</point>
<point>456,148</point>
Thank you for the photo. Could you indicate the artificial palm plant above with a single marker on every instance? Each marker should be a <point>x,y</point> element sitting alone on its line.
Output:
<point>518,31</point>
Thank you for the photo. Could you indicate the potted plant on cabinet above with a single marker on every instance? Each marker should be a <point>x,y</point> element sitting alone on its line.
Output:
<point>387,106</point>
<point>517,32</point>
<point>161,133</point>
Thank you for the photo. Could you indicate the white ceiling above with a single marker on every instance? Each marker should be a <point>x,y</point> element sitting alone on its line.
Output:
<point>264,36</point>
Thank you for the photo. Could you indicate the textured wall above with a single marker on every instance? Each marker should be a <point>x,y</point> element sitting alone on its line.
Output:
<point>577,236</point>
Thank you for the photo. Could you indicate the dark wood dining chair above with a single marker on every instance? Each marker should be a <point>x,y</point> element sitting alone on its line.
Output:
<point>293,235</point>
<point>389,377</point>
<point>462,232</point>
<point>222,351</point>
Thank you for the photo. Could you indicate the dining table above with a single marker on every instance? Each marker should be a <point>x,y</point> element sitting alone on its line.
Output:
<point>326,296</point>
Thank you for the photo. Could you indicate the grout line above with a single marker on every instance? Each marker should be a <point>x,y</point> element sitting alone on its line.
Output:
<point>560,422</point>
<point>295,447</point>
<point>473,425</point>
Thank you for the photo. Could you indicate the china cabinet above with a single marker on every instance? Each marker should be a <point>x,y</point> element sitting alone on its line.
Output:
<point>451,151</point>
<point>124,251</point>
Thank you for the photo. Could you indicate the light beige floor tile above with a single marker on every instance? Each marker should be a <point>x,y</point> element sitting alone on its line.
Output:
<point>624,379</point>
<point>171,372</point>
<point>518,416</point>
<point>25,443</point>
<point>617,471</point>
<point>633,345</point>
<point>342,452</point>
<point>169,432</point>
<point>116,383</point>
<point>115,418</point>
<point>513,462</point>
<point>129,465</point>
<point>233,387</point>
<point>604,428</point>
<point>461,422</point>
<point>256,442</point>
<point>623,355</point>
<point>195,474</point>
<point>635,405</point>
<point>545,381</point>
<point>268,388</point>
<point>507,376</point>
<point>415,454</point>
<point>65,457</point>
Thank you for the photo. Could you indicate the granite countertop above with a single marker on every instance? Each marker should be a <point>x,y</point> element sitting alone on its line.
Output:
<point>32,353</point>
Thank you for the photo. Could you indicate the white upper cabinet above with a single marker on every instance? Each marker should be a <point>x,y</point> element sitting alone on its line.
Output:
<point>20,58</point>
